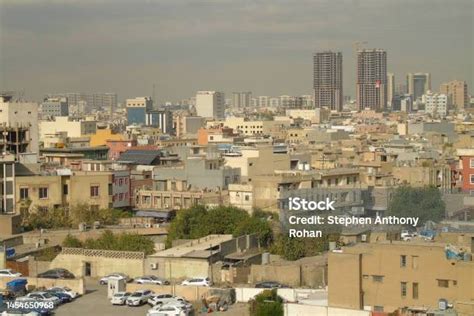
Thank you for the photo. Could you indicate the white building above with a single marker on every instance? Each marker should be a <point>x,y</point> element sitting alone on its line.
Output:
<point>19,124</point>
<point>435,103</point>
<point>263,101</point>
<point>210,104</point>
<point>71,127</point>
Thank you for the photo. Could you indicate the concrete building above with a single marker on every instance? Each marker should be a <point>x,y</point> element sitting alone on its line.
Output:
<point>241,99</point>
<point>188,125</point>
<point>390,89</point>
<point>253,161</point>
<point>52,107</point>
<point>418,84</point>
<point>93,101</point>
<point>64,188</point>
<point>385,277</point>
<point>163,119</point>
<point>371,87</point>
<point>72,128</point>
<point>466,165</point>
<point>200,172</point>
<point>210,104</point>
<point>457,92</point>
<point>19,126</point>
<point>435,104</point>
<point>196,257</point>
<point>327,80</point>
<point>263,101</point>
<point>7,184</point>
<point>137,110</point>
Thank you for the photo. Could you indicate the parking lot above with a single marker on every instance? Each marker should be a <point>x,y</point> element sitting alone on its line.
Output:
<point>95,302</point>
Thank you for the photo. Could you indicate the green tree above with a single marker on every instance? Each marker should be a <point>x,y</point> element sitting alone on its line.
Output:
<point>198,221</point>
<point>267,303</point>
<point>123,242</point>
<point>72,242</point>
<point>425,203</point>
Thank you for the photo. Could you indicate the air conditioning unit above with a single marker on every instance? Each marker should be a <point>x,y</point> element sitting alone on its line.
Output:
<point>153,266</point>
<point>363,238</point>
<point>147,225</point>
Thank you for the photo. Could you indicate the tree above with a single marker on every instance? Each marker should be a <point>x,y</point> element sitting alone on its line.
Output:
<point>123,242</point>
<point>198,221</point>
<point>267,303</point>
<point>425,203</point>
<point>72,242</point>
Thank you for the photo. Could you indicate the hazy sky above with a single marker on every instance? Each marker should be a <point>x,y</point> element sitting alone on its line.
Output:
<point>183,45</point>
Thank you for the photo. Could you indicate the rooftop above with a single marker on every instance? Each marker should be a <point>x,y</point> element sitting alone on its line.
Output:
<point>196,248</point>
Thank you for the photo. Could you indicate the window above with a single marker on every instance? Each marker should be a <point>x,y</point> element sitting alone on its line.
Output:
<point>94,190</point>
<point>378,308</point>
<point>414,262</point>
<point>247,197</point>
<point>23,193</point>
<point>471,178</point>
<point>43,193</point>
<point>415,291</point>
<point>471,163</point>
<point>377,278</point>
<point>443,283</point>
<point>403,261</point>
<point>65,189</point>
<point>403,289</point>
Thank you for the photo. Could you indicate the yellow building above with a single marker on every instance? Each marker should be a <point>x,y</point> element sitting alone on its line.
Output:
<point>102,135</point>
<point>40,192</point>
<point>387,276</point>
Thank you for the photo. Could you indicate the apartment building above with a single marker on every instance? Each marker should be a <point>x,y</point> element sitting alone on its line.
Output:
<point>466,166</point>
<point>52,107</point>
<point>210,104</point>
<point>414,276</point>
<point>73,128</point>
<point>371,87</point>
<point>327,80</point>
<point>64,188</point>
<point>457,92</point>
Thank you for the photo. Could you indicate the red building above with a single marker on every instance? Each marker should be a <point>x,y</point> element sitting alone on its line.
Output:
<point>466,157</point>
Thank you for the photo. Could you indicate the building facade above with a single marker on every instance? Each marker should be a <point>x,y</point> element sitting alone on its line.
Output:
<point>137,110</point>
<point>371,87</point>
<point>210,104</point>
<point>327,80</point>
<point>435,103</point>
<point>457,92</point>
<point>418,84</point>
<point>241,99</point>
<point>52,107</point>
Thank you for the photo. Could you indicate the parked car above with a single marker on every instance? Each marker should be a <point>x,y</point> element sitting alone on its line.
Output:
<point>168,310</point>
<point>63,297</point>
<point>160,299</point>
<point>151,279</point>
<point>56,274</point>
<point>65,290</point>
<point>120,298</point>
<point>40,296</point>
<point>197,282</point>
<point>105,279</point>
<point>9,273</point>
<point>270,285</point>
<point>139,297</point>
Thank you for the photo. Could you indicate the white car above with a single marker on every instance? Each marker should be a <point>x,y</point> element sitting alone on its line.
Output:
<point>161,299</point>
<point>120,298</point>
<point>40,296</point>
<point>197,282</point>
<point>139,297</point>
<point>151,279</point>
<point>168,310</point>
<point>117,276</point>
<point>65,290</point>
<point>9,273</point>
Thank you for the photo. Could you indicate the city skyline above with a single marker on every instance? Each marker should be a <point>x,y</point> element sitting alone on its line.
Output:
<point>261,47</point>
